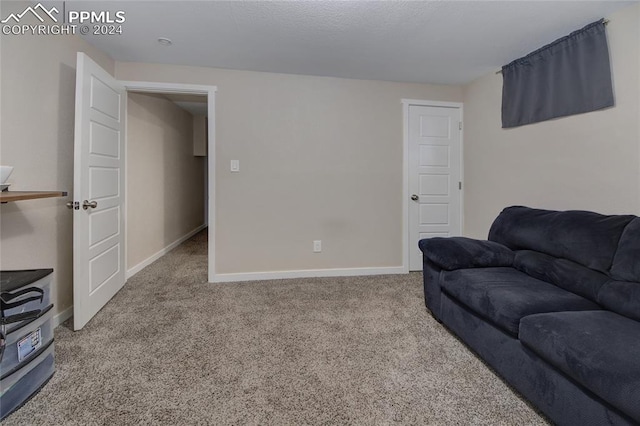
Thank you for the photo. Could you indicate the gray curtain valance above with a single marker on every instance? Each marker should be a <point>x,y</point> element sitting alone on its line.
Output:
<point>570,76</point>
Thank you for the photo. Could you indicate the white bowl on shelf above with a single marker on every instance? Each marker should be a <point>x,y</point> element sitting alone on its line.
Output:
<point>5,172</point>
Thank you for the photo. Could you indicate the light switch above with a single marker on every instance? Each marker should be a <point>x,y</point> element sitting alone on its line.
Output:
<point>235,165</point>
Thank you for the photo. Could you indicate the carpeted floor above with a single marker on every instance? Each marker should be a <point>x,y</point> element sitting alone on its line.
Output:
<point>172,349</point>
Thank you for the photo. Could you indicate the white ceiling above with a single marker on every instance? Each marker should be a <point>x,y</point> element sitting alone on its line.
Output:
<point>443,42</point>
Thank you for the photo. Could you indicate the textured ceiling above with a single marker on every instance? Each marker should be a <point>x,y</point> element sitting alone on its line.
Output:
<point>443,42</point>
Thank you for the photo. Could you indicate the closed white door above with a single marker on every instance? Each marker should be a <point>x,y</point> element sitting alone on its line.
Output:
<point>98,193</point>
<point>434,176</point>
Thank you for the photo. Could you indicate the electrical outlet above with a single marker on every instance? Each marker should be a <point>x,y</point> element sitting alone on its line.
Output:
<point>317,246</point>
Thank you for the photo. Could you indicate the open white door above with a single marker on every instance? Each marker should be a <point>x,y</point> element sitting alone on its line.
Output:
<point>98,192</point>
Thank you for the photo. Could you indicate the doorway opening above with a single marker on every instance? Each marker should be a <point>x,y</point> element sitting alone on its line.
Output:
<point>166,174</point>
<point>186,96</point>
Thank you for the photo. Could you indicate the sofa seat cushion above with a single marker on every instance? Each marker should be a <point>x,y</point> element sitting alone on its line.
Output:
<point>504,295</point>
<point>598,349</point>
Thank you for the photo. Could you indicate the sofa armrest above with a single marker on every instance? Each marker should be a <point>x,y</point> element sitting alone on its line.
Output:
<point>462,253</point>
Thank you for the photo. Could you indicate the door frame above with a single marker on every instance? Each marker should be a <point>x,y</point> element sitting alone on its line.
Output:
<point>185,89</point>
<point>406,103</point>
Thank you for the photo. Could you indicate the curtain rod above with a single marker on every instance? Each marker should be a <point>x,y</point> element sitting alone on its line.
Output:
<point>605,22</point>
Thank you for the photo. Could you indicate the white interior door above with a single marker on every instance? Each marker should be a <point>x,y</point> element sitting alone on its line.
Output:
<point>98,193</point>
<point>434,176</point>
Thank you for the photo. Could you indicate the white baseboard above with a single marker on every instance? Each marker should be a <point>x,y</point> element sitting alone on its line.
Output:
<point>62,316</point>
<point>307,273</point>
<point>140,266</point>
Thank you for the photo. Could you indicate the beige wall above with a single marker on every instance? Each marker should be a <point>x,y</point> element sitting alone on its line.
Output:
<point>320,159</point>
<point>589,161</point>
<point>165,182</point>
<point>37,101</point>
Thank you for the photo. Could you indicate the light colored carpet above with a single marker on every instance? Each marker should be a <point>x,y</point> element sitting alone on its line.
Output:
<point>172,349</point>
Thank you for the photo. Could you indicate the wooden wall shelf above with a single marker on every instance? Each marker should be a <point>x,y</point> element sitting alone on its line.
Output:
<point>8,196</point>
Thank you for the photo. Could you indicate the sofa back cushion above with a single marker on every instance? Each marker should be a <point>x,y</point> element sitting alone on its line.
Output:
<point>626,263</point>
<point>587,238</point>
<point>563,273</point>
<point>622,297</point>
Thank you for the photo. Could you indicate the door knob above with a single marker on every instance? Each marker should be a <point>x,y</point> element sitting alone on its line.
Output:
<point>414,197</point>
<point>86,204</point>
<point>69,205</point>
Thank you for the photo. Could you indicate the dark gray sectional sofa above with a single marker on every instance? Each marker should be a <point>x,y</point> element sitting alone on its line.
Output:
<point>552,303</point>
